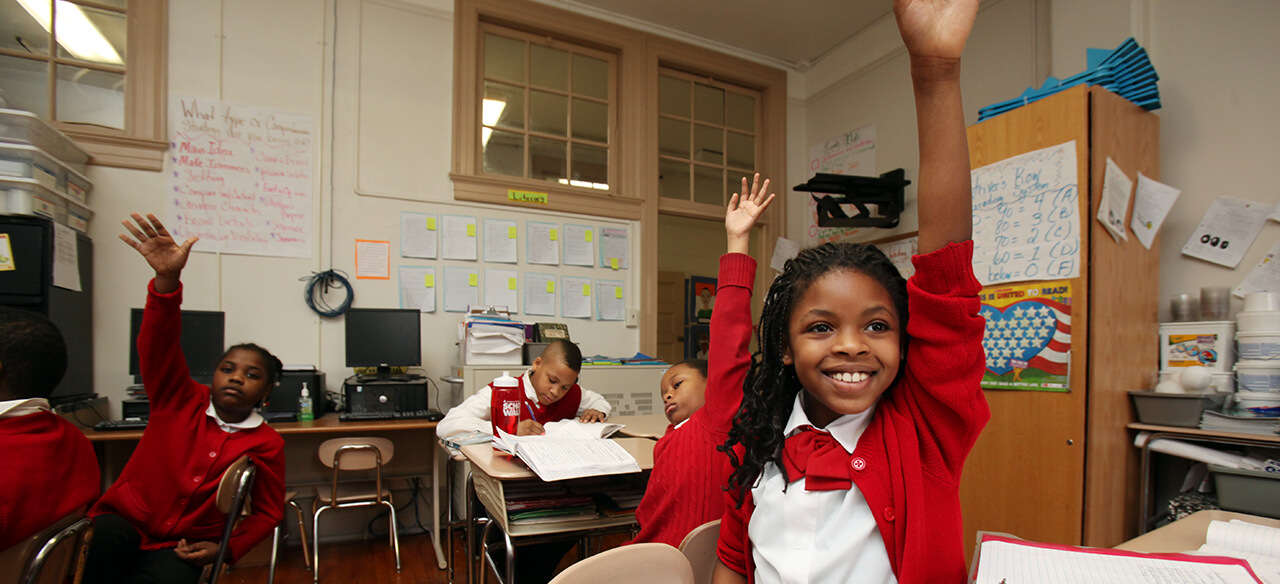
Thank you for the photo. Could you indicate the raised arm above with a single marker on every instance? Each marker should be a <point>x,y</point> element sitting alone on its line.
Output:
<point>935,32</point>
<point>162,253</point>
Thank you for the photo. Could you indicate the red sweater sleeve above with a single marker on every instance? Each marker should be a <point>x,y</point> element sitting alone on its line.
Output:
<point>267,500</point>
<point>945,360</point>
<point>729,356</point>
<point>164,369</point>
<point>731,548</point>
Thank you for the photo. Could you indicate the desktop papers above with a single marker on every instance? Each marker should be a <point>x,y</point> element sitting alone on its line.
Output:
<point>555,457</point>
<point>1226,231</point>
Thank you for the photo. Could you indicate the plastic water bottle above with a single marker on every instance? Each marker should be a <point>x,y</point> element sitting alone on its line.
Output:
<point>305,413</point>
<point>506,404</point>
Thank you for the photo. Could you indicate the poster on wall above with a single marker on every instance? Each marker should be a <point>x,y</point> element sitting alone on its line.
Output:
<point>1028,336</point>
<point>240,177</point>
<point>849,153</point>
<point>700,293</point>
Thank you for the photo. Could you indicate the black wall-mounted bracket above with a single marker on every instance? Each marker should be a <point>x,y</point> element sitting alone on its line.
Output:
<point>885,192</point>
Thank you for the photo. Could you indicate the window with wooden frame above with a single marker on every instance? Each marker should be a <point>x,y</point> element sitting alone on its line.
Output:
<point>93,68</point>
<point>706,138</point>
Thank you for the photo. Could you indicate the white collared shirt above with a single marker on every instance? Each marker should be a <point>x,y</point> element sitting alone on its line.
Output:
<point>21,407</point>
<point>816,537</point>
<point>253,421</point>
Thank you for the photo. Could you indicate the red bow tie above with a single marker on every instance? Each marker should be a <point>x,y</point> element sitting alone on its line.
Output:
<point>817,456</point>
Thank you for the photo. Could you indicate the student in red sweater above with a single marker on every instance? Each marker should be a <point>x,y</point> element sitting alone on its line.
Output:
<point>50,468</point>
<point>855,423</point>
<point>686,485</point>
<point>159,522</point>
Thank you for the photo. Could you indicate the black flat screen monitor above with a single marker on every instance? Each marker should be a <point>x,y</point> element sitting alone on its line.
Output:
<point>384,338</point>
<point>202,342</point>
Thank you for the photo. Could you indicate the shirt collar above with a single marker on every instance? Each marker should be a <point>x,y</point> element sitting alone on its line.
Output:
<point>529,391</point>
<point>253,421</point>
<point>682,422</point>
<point>846,429</point>
<point>22,407</point>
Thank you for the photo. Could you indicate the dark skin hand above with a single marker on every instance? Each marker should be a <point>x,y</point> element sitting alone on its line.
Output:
<point>197,553</point>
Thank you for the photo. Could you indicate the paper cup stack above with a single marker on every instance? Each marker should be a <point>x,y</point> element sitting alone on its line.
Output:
<point>1258,345</point>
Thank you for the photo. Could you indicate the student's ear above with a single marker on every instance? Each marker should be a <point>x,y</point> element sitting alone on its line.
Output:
<point>537,362</point>
<point>786,356</point>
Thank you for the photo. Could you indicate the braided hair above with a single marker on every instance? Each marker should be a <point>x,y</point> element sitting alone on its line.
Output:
<point>274,366</point>
<point>770,387</point>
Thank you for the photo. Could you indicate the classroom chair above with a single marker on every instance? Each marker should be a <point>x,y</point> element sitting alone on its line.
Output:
<point>233,500</point>
<point>279,534</point>
<point>54,555</point>
<point>353,454</point>
<point>641,563</point>
<point>699,547</point>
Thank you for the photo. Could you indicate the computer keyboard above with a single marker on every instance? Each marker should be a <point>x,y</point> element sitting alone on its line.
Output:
<point>273,417</point>
<point>108,425</point>
<point>365,416</point>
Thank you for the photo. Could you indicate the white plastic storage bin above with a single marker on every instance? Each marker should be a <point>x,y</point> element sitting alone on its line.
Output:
<point>24,127</point>
<point>24,196</point>
<point>26,161</point>
<point>1209,343</point>
<point>1258,376</point>
<point>1259,345</point>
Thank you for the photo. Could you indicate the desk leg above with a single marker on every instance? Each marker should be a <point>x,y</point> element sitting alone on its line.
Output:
<point>435,508</point>
<point>1145,501</point>
<point>471,531</point>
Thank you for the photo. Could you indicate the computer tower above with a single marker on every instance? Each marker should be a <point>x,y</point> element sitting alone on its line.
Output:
<point>30,286</point>
<point>385,396</point>
<point>284,397</point>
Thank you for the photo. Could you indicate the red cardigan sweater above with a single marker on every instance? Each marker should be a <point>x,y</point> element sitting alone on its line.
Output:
<point>50,471</point>
<point>168,488</point>
<point>686,485</point>
<point>565,408</point>
<point>922,430</point>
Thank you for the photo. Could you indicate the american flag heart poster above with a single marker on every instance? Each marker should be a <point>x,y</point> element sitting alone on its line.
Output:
<point>1028,336</point>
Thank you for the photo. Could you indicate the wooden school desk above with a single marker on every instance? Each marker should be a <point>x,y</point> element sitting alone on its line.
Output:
<point>114,447</point>
<point>491,470</point>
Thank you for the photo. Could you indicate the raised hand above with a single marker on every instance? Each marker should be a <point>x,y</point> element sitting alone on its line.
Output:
<point>743,211</point>
<point>935,29</point>
<point>162,253</point>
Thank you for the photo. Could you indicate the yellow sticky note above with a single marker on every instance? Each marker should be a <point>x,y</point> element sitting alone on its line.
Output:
<point>587,234</point>
<point>511,283</point>
<point>551,286</point>
<point>473,279</point>
<point>431,223</point>
<point>617,292</point>
<point>613,263</point>
<point>471,230</point>
<point>586,289</point>
<point>429,280</point>
<point>511,232</point>
<point>555,234</point>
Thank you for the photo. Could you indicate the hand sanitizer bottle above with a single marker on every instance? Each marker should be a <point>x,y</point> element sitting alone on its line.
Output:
<point>305,413</point>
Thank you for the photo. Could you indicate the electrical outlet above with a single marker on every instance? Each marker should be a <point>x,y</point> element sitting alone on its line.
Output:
<point>633,318</point>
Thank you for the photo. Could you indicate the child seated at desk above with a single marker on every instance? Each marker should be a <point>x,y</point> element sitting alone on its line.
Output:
<point>50,468</point>
<point>160,522</point>
<point>551,393</point>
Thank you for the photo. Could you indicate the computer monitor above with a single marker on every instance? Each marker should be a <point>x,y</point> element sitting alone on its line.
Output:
<point>384,338</point>
<point>202,342</point>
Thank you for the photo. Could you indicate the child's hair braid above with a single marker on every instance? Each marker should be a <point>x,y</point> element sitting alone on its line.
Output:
<point>274,367</point>
<point>770,387</point>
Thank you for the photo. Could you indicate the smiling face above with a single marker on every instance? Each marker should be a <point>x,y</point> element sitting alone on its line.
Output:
<point>551,378</point>
<point>683,392</point>
<point>844,340</point>
<point>239,384</point>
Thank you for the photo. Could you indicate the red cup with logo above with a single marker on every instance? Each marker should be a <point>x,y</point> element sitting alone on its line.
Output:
<point>506,404</point>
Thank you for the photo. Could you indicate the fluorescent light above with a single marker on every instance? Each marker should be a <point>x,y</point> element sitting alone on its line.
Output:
<point>491,112</point>
<point>75,32</point>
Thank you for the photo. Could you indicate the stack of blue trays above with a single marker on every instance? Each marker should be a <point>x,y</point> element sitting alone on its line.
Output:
<point>1125,71</point>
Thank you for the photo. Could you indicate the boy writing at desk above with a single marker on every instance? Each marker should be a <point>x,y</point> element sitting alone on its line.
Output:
<point>550,390</point>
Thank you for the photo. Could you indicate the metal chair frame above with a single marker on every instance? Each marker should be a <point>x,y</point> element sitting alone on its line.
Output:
<point>335,504</point>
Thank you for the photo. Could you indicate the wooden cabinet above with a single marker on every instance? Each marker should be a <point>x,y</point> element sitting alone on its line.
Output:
<point>1059,467</point>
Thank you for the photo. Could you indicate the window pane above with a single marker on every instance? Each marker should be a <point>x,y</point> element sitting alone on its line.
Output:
<point>708,104</point>
<point>708,185</point>
<point>548,113</point>
<point>740,112</point>
<point>26,82</point>
<point>503,58</point>
<point>90,97</point>
<point>503,106</point>
<point>548,159</point>
<point>503,152</point>
<point>591,164</point>
<point>20,31</point>
<point>90,34</point>
<point>673,179</point>
<point>590,77</point>
<point>590,120</point>
<point>548,67</point>
<point>673,96</point>
<point>673,137</point>
<point>708,144</point>
<point>741,150</point>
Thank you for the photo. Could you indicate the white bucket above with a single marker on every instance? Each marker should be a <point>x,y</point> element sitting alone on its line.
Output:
<point>1256,400</point>
<point>1258,346</point>
<point>1262,302</point>
<point>1258,321</point>
<point>1206,343</point>
<point>1261,376</point>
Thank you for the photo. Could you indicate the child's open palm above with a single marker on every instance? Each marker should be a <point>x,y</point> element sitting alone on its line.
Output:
<point>935,28</point>
<point>155,244</point>
<point>745,209</point>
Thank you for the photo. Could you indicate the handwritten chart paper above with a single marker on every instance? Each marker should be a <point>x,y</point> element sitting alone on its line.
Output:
<point>240,177</point>
<point>613,248</point>
<point>900,253</point>
<point>1026,217</point>
<point>542,245</point>
<point>849,153</point>
<point>373,259</point>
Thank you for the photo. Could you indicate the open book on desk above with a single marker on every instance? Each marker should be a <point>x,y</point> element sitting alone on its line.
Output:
<point>573,429</point>
<point>559,455</point>
<point>1008,560</point>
